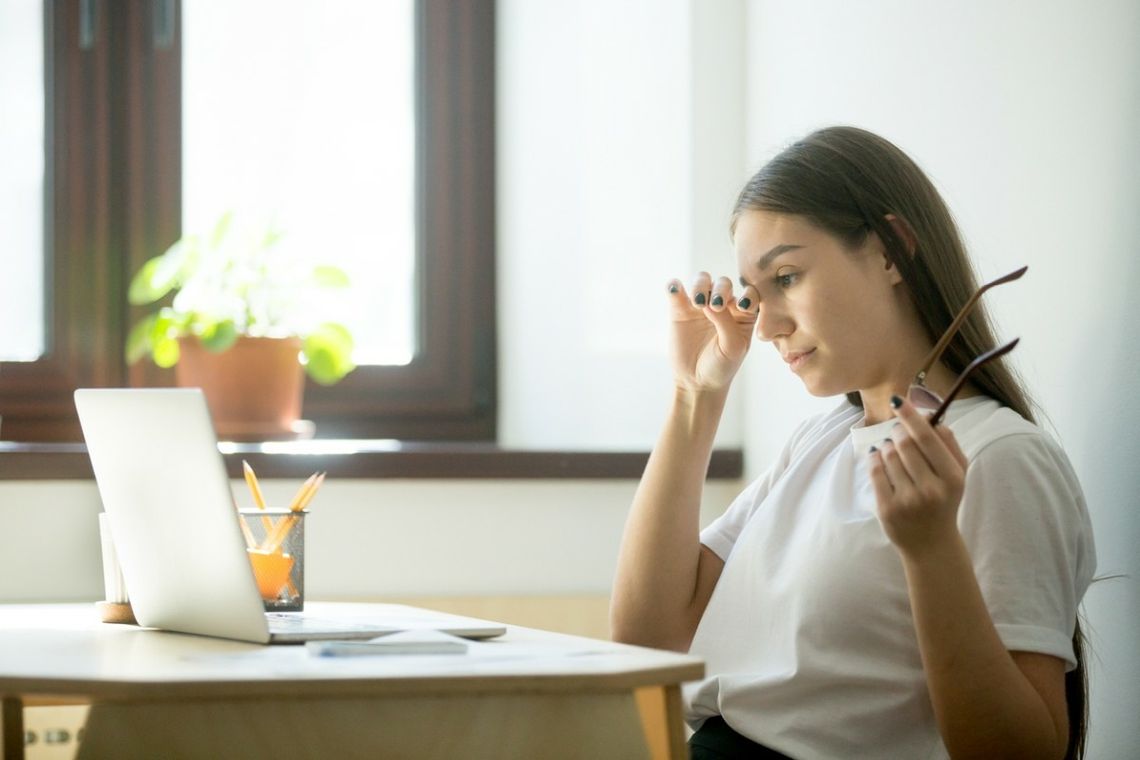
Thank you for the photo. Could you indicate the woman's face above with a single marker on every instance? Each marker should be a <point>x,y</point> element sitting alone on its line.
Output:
<point>836,315</point>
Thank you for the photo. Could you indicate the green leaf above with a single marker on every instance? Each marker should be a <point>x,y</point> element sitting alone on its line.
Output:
<point>337,333</point>
<point>160,275</point>
<point>168,323</point>
<point>141,290</point>
<point>328,353</point>
<point>328,276</point>
<point>272,235</point>
<point>219,336</point>
<point>166,352</point>
<point>324,366</point>
<point>151,282</point>
<point>220,229</point>
<point>138,340</point>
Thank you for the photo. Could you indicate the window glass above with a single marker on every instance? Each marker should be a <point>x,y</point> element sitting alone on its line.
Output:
<point>22,331</point>
<point>300,116</point>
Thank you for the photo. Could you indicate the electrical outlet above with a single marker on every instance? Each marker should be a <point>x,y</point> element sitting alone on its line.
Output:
<point>53,733</point>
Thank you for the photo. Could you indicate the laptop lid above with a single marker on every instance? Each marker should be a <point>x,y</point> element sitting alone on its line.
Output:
<point>164,485</point>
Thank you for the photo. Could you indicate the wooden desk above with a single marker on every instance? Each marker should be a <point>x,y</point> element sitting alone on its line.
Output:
<point>529,694</point>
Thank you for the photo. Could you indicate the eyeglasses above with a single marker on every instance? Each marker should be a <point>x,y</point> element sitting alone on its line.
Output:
<point>924,398</point>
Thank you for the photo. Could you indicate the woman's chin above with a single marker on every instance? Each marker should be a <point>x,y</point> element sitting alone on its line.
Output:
<point>821,389</point>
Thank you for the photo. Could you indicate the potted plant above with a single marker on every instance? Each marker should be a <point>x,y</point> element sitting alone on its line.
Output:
<point>244,324</point>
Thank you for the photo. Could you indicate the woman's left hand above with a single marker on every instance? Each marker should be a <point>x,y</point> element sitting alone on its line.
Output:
<point>919,474</point>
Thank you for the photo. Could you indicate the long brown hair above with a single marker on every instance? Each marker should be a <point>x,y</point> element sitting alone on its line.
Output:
<point>846,180</point>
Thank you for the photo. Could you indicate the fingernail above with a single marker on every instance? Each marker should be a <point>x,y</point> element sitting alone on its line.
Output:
<point>673,288</point>
<point>717,301</point>
<point>700,299</point>
<point>896,402</point>
<point>873,449</point>
<point>745,303</point>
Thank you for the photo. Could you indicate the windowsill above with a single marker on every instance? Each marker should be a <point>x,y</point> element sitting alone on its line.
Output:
<point>365,459</point>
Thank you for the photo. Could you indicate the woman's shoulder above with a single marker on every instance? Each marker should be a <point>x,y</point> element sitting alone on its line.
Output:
<point>1019,480</point>
<point>836,420</point>
<point>990,431</point>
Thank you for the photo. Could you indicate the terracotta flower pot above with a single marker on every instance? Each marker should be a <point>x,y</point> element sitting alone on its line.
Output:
<point>254,388</point>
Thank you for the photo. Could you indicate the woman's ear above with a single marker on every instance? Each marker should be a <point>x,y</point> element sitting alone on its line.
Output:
<point>904,232</point>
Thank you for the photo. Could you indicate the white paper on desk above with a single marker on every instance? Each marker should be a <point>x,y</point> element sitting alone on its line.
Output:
<point>404,642</point>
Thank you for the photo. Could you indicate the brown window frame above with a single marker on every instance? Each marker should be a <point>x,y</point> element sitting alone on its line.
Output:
<point>113,199</point>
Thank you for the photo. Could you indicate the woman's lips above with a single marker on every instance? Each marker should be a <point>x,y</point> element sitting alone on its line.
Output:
<point>797,359</point>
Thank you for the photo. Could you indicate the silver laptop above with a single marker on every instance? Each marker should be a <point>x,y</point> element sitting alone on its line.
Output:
<point>164,487</point>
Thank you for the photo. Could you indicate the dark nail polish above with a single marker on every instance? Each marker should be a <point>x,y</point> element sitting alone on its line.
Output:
<point>717,301</point>
<point>673,288</point>
<point>873,449</point>
<point>896,402</point>
<point>700,299</point>
<point>745,303</point>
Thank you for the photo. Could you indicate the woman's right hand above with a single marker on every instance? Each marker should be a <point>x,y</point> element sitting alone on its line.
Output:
<point>712,332</point>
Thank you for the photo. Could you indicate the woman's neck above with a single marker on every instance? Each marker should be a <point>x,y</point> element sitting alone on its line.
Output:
<point>877,401</point>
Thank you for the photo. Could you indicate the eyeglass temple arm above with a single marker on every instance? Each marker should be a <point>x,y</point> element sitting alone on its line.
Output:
<point>962,378</point>
<point>958,320</point>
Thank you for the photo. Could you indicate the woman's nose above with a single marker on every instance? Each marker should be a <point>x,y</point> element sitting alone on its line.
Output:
<point>771,322</point>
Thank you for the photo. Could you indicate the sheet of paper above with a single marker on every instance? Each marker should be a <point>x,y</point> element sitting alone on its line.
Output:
<point>404,642</point>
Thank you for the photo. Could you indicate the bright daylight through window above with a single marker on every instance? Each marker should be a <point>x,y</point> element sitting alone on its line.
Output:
<point>22,180</point>
<point>300,116</point>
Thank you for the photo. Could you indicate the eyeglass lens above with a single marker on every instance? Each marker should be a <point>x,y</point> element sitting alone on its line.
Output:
<point>960,383</point>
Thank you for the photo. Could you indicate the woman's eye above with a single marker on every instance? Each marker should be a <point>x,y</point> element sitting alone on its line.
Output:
<point>787,280</point>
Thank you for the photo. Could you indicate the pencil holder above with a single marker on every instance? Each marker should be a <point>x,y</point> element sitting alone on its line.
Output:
<point>275,543</point>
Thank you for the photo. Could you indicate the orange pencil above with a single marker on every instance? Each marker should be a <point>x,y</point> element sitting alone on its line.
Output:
<point>304,502</point>
<point>274,540</point>
<point>250,541</point>
<point>304,495</point>
<point>258,498</point>
<point>302,492</point>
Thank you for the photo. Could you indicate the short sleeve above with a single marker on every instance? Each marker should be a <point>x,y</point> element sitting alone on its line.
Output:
<point>721,534</point>
<point>1026,525</point>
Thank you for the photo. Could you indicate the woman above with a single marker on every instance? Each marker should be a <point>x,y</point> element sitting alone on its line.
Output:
<point>890,587</point>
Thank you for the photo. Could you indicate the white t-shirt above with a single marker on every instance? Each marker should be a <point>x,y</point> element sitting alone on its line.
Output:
<point>808,638</point>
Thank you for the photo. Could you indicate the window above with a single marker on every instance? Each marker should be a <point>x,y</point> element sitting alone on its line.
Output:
<point>112,197</point>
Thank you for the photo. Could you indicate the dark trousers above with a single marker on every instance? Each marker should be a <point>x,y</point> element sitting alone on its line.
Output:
<point>715,740</point>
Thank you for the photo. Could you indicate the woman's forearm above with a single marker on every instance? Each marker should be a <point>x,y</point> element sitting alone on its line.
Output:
<point>657,568</point>
<point>985,706</point>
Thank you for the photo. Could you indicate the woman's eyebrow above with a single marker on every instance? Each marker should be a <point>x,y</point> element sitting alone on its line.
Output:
<point>766,260</point>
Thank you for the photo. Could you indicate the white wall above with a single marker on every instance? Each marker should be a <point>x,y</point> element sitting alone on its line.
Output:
<point>620,136</point>
<point>365,538</point>
<point>1027,116</point>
